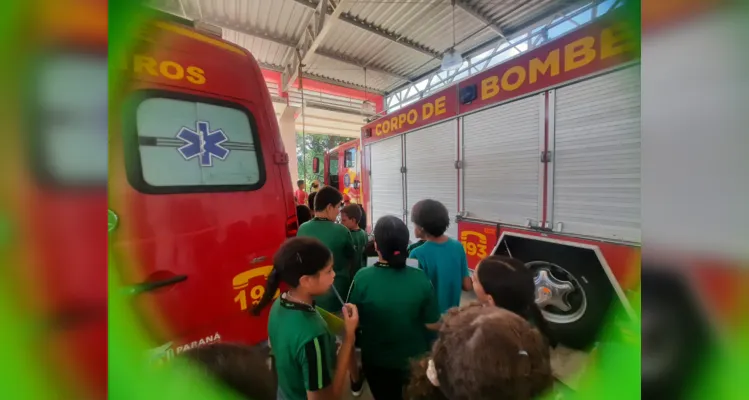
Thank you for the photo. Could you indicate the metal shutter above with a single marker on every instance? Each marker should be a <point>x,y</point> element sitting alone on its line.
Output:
<point>502,162</point>
<point>596,182</point>
<point>430,169</point>
<point>386,178</point>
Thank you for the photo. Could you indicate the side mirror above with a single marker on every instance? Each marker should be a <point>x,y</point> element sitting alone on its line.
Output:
<point>316,165</point>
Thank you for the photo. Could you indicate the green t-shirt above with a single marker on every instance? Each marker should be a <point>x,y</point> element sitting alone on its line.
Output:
<point>394,306</point>
<point>360,243</point>
<point>304,349</point>
<point>338,239</point>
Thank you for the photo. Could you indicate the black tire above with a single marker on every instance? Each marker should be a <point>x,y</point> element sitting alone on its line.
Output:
<point>584,267</point>
<point>674,349</point>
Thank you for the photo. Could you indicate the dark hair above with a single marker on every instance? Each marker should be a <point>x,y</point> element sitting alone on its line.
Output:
<point>391,236</point>
<point>327,196</point>
<point>315,185</point>
<point>303,214</point>
<point>311,200</point>
<point>297,257</point>
<point>363,219</point>
<point>352,211</point>
<point>241,368</point>
<point>431,216</point>
<point>511,285</point>
<point>300,182</point>
<point>484,353</point>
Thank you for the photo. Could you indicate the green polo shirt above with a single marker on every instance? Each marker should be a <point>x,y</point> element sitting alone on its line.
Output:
<point>394,307</point>
<point>304,349</point>
<point>338,239</point>
<point>360,243</point>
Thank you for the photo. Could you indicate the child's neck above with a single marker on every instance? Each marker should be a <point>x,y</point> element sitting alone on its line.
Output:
<point>436,239</point>
<point>299,295</point>
<point>321,215</point>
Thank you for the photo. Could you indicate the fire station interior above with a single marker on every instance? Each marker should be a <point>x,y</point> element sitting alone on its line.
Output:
<point>560,189</point>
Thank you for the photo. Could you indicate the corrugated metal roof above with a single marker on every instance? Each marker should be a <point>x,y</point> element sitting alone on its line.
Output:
<point>400,38</point>
<point>265,51</point>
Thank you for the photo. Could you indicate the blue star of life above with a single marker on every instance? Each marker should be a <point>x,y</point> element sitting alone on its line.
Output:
<point>203,143</point>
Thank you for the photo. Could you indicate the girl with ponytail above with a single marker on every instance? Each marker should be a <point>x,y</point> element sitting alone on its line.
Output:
<point>397,307</point>
<point>304,348</point>
<point>507,283</point>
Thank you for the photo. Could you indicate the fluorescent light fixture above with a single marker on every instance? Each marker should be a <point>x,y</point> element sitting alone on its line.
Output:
<point>451,60</point>
<point>367,107</point>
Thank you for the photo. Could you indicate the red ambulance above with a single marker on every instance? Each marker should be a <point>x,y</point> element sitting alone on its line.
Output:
<point>200,191</point>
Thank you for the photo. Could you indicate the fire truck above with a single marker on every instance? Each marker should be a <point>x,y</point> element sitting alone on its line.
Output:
<point>342,170</point>
<point>537,158</point>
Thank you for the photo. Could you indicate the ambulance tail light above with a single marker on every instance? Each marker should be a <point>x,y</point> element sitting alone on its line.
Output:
<point>292,226</point>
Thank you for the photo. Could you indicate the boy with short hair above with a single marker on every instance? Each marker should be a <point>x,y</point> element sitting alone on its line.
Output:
<point>440,256</point>
<point>300,194</point>
<point>350,217</point>
<point>337,238</point>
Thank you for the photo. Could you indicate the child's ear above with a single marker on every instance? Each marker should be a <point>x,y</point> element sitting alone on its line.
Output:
<point>490,300</point>
<point>306,281</point>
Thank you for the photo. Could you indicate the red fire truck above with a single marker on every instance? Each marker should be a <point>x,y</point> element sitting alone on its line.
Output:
<point>343,171</point>
<point>537,157</point>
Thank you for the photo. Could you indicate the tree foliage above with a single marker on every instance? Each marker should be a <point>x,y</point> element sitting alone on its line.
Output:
<point>312,146</point>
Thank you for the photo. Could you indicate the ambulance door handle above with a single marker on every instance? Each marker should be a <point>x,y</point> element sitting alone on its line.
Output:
<point>150,286</point>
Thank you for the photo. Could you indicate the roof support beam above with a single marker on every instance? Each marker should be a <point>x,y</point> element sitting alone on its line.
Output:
<point>472,11</point>
<point>290,43</point>
<point>379,31</point>
<point>317,29</point>
<point>323,79</point>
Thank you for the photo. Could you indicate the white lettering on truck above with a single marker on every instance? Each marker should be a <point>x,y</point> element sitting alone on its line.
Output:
<point>202,342</point>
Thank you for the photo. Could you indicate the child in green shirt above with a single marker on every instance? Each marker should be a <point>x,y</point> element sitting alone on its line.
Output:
<point>398,307</point>
<point>350,216</point>
<point>303,346</point>
<point>338,240</point>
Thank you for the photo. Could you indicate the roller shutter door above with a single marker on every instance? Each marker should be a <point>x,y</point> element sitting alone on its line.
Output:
<point>502,162</point>
<point>430,169</point>
<point>596,182</point>
<point>386,179</point>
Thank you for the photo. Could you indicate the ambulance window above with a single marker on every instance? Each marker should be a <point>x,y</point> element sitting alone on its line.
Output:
<point>187,145</point>
<point>350,158</point>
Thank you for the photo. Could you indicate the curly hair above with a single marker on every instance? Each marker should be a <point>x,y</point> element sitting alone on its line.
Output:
<point>484,353</point>
<point>432,216</point>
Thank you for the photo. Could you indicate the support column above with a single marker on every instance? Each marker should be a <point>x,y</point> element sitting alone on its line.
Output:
<point>287,125</point>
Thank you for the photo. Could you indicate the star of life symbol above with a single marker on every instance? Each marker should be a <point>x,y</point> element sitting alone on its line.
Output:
<point>203,143</point>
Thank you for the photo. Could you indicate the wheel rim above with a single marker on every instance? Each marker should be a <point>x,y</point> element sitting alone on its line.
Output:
<point>559,295</point>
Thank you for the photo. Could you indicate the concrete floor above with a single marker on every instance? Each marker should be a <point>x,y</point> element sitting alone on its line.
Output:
<point>566,363</point>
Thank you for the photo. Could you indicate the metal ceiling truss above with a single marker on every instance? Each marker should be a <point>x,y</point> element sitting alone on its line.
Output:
<point>472,11</point>
<point>313,35</point>
<point>323,79</point>
<point>374,29</point>
<point>292,45</point>
<point>191,10</point>
<point>487,56</point>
